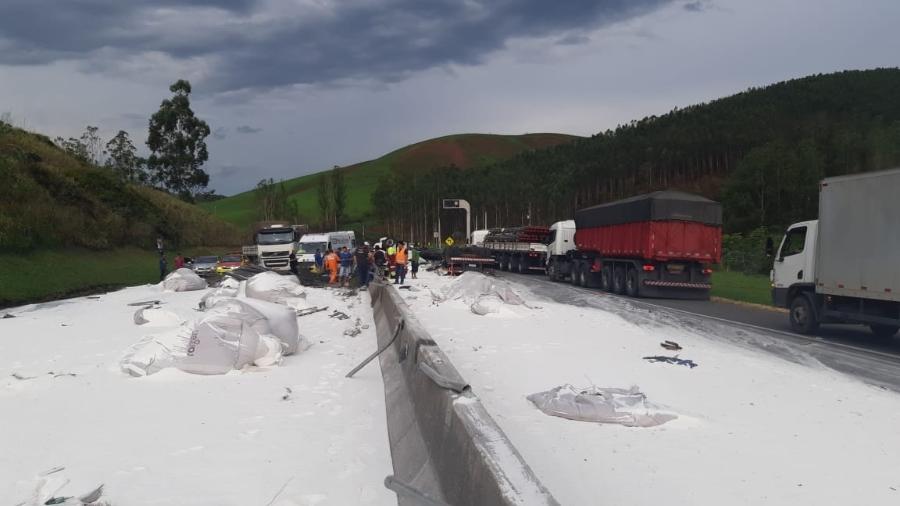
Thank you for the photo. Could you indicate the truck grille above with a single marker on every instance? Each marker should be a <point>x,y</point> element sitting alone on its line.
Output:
<point>281,262</point>
<point>276,253</point>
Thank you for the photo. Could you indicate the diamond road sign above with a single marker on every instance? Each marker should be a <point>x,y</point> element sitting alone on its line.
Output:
<point>449,241</point>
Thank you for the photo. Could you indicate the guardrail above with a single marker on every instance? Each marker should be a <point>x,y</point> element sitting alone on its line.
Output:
<point>445,447</point>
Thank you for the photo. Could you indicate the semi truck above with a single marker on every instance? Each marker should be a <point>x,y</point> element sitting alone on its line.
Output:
<point>842,268</point>
<point>273,245</point>
<point>660,244</point>
<point>518,249</point>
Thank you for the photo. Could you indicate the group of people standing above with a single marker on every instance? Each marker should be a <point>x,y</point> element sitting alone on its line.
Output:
<point>369,263</point>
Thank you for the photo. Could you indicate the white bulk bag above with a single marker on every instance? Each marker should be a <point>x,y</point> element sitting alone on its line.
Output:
<point>273,287</point>
<point>281,320</point>
<point>217,344</point>
<point>183,280</point>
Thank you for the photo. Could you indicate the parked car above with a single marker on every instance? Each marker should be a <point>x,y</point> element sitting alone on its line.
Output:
<point>204,265</point>
<point>228,263</point>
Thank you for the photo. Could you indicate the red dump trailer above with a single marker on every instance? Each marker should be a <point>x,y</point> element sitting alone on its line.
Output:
<point>661,244</point>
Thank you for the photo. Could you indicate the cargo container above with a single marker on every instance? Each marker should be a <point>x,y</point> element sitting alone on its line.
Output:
<point>842,268</point>
<point>661,244</point>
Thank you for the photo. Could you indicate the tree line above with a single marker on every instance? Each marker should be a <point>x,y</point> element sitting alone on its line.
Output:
<point>761,153</point>
<point>177,143</point>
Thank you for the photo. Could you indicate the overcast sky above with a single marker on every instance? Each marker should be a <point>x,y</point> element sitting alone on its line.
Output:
<point>291,87</point>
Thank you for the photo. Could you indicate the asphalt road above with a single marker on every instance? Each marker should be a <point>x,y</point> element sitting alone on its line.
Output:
<point>847,348</point>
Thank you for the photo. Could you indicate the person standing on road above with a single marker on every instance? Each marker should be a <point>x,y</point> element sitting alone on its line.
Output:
<point>179,261</point>
<point>414,261</point>
<point>331,265</point>
<point>346,259</point>
<point>379,259</point>
<point>400,257</point>
<point>163,267</point>
<point>319,260</point>
<point>363,260</point>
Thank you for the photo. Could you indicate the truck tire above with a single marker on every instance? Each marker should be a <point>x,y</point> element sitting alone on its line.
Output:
<point>522,265</point>
<point>584,275</point>
<point>606,275</point>
<point>619,279</point>
<point>632,286</point>
<point>884,331</point>
<point>803,315</point>
<point>553,270</point>
<point>573,273</point>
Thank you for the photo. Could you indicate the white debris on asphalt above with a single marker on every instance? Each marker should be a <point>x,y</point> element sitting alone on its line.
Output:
<point>183,280</point>
<point>179,438</point>
<point>752,428</point>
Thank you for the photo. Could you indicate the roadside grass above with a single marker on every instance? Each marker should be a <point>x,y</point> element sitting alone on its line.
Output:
<point>753,288</point>
<point>48,275</point>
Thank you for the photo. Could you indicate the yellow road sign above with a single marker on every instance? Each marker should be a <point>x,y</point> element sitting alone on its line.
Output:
<point>449,241</point>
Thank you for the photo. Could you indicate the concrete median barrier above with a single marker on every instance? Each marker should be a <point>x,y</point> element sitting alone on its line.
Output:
<point>445,447</point>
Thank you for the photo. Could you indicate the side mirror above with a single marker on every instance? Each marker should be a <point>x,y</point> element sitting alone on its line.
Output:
<point>770,247</point>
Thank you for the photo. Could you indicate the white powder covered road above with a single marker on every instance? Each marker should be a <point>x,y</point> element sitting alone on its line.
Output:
<point>178,438</point>
<point>752,428</point>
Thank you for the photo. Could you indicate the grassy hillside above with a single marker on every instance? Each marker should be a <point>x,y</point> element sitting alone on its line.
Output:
<point>760,152</point>
<point>49,199</point>
<point>464,151</point>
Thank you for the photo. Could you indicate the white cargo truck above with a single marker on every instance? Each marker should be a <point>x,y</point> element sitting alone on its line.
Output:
<point>272,246</point>
<point>307,247</point>
<point>843,267</point>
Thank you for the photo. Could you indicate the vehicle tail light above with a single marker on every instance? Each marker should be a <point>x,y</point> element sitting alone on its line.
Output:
<point>649,268</point>
<point>707,271</point>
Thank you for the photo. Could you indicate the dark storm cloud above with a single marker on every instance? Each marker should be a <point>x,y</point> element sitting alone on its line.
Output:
<point>247,129</point>
<point>695,6</point>
<point>250,44</point>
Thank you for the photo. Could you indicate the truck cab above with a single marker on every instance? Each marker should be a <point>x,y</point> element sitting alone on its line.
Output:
<point>275,245</point>
<point>794,267</point>
<point>560,243</point>
<point>306,249</point>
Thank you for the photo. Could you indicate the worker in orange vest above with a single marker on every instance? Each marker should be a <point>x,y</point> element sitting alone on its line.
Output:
<point>400,258</point>
<point>331,265</point>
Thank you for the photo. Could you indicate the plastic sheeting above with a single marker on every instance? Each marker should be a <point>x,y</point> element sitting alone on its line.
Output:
<point>274,287</point>
<point>470,286</point>
<point>628,407</point>
<point>183,280</point>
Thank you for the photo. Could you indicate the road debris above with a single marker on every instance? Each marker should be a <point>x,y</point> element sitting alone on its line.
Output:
<point>310,310</point>
<point>670,345</point>
<point>672,360</point>
<point>340,315</point>
<point>287,393</point>
<point>8,315</point>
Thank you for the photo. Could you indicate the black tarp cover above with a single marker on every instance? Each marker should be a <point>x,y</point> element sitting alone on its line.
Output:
<point>666,205</point>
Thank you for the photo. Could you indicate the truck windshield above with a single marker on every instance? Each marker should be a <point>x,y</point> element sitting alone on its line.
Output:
<point>274,238</point>
<point>310,247</point>
<point>206,260</point>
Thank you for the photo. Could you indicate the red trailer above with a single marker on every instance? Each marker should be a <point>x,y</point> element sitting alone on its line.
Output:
<point>656,245</point>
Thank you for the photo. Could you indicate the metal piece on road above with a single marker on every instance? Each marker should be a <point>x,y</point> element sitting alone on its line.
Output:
<point>145,303</point>
<point>379,351</point>
<point>441,380</point>
<point>310,310</point>
<point>402,489</point>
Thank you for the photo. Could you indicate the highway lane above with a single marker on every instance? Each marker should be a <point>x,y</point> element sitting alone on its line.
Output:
<point>846,348</point>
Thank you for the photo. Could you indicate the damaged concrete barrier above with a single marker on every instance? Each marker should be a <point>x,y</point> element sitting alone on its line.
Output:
<point>445,447</point>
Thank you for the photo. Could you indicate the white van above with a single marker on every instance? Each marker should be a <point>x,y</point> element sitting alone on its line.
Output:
<point>337,240</point>
<point>306,249</point>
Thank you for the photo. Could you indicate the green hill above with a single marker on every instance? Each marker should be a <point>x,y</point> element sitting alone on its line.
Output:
<point>760,152</point>
<point>50,199</point>
<point>464,151</point>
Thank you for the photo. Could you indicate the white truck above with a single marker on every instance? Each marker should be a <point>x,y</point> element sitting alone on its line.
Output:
<point>306,249</point>
<point>843,267</point>
<point>273,245</point>
<point>561,244</point>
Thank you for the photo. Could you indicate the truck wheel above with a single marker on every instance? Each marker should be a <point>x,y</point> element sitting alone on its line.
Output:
<point>553,270</point>
<point>885,331</point>
<point>619,280</point>
<point>803,315</point>
<point>574,273</point>
<point>584,275</point>
<point>523,265</point>
<point>632,288</point>
<point>606,279</point>
<point>505,262</point>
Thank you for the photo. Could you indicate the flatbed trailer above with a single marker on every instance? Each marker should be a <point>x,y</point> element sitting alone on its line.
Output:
<point>519,249</point>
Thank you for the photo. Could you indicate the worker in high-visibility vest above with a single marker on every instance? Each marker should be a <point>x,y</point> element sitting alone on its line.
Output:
<point>331,265</point>
<point>391,253</point>
<point>400,258</point>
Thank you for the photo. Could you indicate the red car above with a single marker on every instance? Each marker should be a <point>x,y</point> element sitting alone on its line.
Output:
<point>228,263</point>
